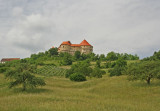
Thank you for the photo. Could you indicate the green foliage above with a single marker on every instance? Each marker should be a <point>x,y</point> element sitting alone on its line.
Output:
<point>102,57</point>
<point>121,62</point>
<point>155,56</point>
<point>51,70</point>
<point>98,63</point>
<point>112,56</point>
<point>144,71</point>
<point>77,55</point>
<point>78,77</point>
<point>110,64</point>
<point>97,73</point>
<point>116,71</point>
<point>80,67</point>
<point>119,67</point>
<point>67,59</point>
<point>3,69</point>
<point>22,75</point>
<point>53,51</point>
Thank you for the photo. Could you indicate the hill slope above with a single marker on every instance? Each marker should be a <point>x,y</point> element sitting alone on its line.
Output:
<point>61,94</point>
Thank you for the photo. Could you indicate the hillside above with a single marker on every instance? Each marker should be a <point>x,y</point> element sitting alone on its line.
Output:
<point>61,94</point>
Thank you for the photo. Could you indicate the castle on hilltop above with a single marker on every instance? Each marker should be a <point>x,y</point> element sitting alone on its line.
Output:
<point>84,47</point>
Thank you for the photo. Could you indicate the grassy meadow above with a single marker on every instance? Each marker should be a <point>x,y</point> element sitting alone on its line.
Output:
<point>61,94</point>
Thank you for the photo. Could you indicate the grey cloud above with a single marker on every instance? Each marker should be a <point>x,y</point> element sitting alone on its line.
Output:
<point>130,26</point>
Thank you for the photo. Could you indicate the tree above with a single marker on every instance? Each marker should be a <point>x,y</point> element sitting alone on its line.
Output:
<point>102,57</point>
<point>67,59</point>
<point>121,62</point>
<point>155,56</point>
<point>81,67</point>
<point>112,56</point>
<point>144,71</point>
<point>97,72</point>
<point>53,51</point>
<point>119,67</point>
<point>22,74</point>
<point>98,63</point>
<point>77,55</point>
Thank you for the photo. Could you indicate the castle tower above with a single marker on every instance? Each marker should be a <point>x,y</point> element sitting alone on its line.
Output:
<point>86,48</point>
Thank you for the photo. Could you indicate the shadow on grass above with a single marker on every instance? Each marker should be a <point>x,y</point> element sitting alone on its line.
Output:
<point>30,90</point>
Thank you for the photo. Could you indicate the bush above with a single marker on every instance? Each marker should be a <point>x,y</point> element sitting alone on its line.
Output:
<point>67,59</point>
<point>3,69</point>
<point>117,71</point>
<point>97,73</point>
<point>68,73</point>
<point>77,77</point>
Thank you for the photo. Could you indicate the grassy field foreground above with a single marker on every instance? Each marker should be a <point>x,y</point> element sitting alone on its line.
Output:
<point>60,94</point>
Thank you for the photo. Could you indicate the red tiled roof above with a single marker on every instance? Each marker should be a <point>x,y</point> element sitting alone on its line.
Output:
<point>9,59</point>
<point>66,43</point>
<point>75,45</point>
<point>84,43</point>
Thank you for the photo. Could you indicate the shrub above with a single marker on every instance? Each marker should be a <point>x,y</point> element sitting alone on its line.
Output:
<point>98,64</point>
<point>119,67</point>
<point>97,73</point>
<point>77,77</point>
<point>117,71</point>
<point>3,69</point>
<point>68,73</point>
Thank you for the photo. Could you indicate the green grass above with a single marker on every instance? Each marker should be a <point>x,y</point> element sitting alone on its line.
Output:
<point>61,94</point>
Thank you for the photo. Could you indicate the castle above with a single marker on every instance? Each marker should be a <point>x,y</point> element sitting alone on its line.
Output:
<point>84,47</point>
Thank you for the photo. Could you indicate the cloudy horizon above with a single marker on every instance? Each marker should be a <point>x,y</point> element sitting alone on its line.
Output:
<point>124,26</point>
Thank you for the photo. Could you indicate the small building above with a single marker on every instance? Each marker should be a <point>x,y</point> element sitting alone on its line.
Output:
<point>8,59</point>
<point>84,47</point>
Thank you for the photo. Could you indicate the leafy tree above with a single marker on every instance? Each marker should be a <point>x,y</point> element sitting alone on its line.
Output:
<point>81,67</point>
<point>98,63</point>
<point>102,57</point>
<point>53,51</point>
<point>22,74</point>
<point>34,56</point>
<point>112,56</point>
<point>144,71</point>
<point>83,56</point>
<point>155,56</point>
<point>97,73</point>
<point>121,62</point>
<point>116,71</point>
<point>67,59</point>
<point>77,55</point>
<point>119,67</point>
<point>3,69</point>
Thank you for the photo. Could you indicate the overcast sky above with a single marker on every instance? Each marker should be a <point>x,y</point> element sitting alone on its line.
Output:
<point>31,26</point>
